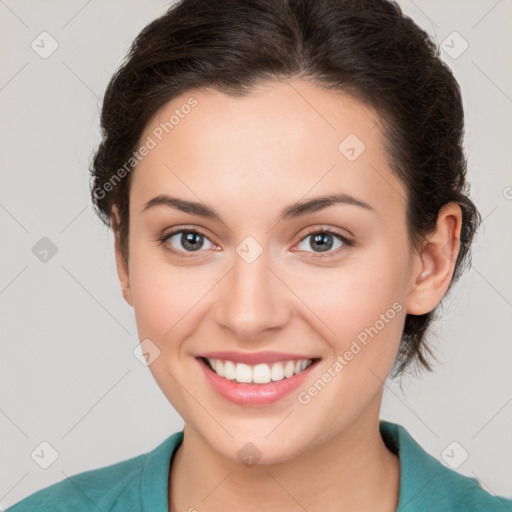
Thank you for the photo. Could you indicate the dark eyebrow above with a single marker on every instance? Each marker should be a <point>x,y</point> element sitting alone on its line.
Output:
<point>319,203</point>
<point>295,210</point>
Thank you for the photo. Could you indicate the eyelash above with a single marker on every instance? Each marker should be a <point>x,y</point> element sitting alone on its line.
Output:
<point>347,243</point>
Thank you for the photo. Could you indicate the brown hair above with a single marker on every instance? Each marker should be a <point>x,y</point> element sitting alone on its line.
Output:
<point>366,48</point>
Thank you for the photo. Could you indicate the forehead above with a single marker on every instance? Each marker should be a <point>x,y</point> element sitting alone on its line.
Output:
<point>283,141</point>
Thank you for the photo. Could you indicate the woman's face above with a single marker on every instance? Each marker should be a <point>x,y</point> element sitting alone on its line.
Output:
<point>255,280</point>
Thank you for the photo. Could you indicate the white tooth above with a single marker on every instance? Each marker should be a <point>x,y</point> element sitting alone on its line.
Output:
<point>261,374</point>
<point>243,373</point>
<point>219,367</point>
<point>277,372</point>
<point>289,369</point>
<point>229,370</point>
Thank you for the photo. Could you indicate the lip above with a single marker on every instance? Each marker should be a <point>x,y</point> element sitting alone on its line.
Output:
<point>253,358</point>
<point>254,394</point>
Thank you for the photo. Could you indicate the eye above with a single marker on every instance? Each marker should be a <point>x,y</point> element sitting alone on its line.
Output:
<point>323,240</point>
<point>190,240</point>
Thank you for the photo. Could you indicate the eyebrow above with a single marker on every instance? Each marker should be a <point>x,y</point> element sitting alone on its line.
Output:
<point>292,211</point>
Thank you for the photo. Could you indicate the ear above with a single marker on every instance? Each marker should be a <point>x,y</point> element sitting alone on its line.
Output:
<point>435,263</point>
<point>121,263</point>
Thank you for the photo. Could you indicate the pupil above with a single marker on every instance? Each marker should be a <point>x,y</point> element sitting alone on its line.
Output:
<point>189,240</point>
<point>321,240</point>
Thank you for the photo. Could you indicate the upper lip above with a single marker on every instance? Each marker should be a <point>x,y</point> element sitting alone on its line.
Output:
<point>253,358</point>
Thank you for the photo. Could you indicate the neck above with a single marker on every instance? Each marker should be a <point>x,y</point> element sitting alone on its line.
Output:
<point>354,470</point>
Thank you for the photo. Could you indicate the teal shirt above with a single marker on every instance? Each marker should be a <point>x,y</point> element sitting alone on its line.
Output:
<point>140,483</point>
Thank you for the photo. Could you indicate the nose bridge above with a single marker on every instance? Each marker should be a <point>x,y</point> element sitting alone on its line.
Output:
<point>253,299</point>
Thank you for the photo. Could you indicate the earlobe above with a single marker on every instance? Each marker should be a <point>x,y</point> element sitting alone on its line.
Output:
<point>121,263</point>
<point>435,264</point>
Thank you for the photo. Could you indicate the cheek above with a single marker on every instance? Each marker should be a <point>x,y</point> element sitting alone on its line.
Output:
<point>170,300</point>
<point>362,305</point>
<point>162,293</point>
<point>350,304</point>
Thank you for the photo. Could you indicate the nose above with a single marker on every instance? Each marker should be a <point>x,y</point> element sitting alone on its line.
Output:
<point>253,300</point>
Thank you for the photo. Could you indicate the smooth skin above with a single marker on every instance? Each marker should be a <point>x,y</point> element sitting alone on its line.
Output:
<point>248,158</point>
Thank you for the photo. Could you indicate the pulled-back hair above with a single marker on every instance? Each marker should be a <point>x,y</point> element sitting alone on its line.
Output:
<point>365,48</point>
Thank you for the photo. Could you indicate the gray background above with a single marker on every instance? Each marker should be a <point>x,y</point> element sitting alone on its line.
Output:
<point>68,373</point>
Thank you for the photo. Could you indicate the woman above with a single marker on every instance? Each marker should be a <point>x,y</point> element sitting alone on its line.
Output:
<point>286,185</point>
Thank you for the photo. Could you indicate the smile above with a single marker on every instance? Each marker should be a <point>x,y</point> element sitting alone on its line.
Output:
<point>262,373</point>
<point>255,384</point>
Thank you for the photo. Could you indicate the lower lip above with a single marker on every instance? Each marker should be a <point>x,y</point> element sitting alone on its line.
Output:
<point>254,394</point>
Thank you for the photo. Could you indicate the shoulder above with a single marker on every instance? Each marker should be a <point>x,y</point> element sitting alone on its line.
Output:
<point>454,491</point>
<point>466,493</point>
<point>428,485</point>
<point>117,487</point>
<point>96,489</point>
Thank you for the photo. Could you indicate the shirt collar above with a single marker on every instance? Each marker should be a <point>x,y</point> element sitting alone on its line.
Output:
<point>155,475</point>
<point>424,481</point>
